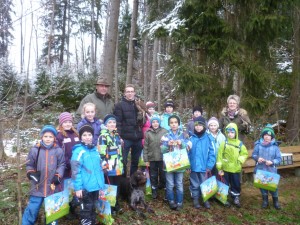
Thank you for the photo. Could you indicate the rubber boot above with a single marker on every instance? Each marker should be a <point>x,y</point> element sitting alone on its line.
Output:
<point>196,203</point>
<point>172,205</point>
<point>206,204</point>
<point>154,193</point>
<point>276,203</point>
<point>265,202</point>
<point>236,201</point>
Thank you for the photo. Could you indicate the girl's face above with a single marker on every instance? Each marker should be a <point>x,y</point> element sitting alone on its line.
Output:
<point>197,114</point>
<point>169,109</point>
<point>48,138</point>
<point>87,137</point>
<point>199,127</point>
<point>174,124</point>
<point>67,125</point>
<point>213,128</point>
<point>111,125</point>
<point>89,113</point>
<point>267,138</point>
<point>232,105</point>
<point>231,134</point>
<point>155,124</point>
<point>151,111</point>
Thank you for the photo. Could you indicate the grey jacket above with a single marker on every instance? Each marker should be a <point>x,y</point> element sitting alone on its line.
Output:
<point>152,150</point>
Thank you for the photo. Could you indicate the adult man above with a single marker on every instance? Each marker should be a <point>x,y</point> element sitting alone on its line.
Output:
<point>101,98</point>
<point>129,127</point>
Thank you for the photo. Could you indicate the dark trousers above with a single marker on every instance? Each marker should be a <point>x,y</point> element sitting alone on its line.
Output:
<point>88,207</point>
<point>136,150</point>
<point>157,174</point>
<point>233,180</point>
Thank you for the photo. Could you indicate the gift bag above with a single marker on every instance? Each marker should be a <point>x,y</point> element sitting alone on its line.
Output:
<point>109,194</point>
<point>266,180</point>
<point>148,183</point>
<point>141,159</point>
<point>103,210</point>
<point>176,160</point>
<point>222,192</point>
<point>57,205</point>
<point>68,186</point>
<point>208,188</point>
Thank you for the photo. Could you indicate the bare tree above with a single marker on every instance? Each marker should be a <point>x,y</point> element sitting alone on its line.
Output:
<point>154,69</point>
<point>50,37</point>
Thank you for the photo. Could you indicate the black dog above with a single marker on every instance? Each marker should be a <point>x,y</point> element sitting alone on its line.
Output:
<point>132,189</point>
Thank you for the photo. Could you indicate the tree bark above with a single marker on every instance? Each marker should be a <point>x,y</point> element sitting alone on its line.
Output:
<point>51,34</point>
<point>154,69</point>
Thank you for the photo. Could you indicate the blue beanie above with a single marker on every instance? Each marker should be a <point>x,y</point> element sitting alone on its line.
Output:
<point>199,121</point>
<point>48,128</point>
<point>109,117</point>
<point>155,118</point>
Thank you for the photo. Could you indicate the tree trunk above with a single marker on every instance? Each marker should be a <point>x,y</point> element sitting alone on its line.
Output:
<point>154,69</point>
<point>294,100</point>
<point>63,36</point>
<point>145,69</point>
<point>131,42</point>
<point>2,153</point>
<point>92,38</point>
<point>51,34</point>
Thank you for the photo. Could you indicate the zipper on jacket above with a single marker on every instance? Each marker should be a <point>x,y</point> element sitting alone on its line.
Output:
<point>46,174</point>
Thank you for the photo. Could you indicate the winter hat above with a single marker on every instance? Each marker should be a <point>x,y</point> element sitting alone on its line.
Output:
<point>213,120</point>
<point>150,105</point>
<point>155,118</point>
<point>268,130</point>
<point>230,129</point>
<point>198,108</point>
<point>48,128</point>
<point>174,116</point>
<point>86,128</point>
<point>109,117</point>
<point>235,98</point>
<point>65,116</point>
<point>199,121</point>
<point>169,102</point>
<point>102,81</point>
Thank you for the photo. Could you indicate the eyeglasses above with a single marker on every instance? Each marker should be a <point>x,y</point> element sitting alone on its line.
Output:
<point>129,91</point>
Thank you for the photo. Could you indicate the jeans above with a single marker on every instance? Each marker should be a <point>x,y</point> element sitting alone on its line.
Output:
<point>136,150</point>
<point>196,178</point>
<point>273,193</point>
<point>157,174</point>
<point>175,179</point>
<point>233,181</point>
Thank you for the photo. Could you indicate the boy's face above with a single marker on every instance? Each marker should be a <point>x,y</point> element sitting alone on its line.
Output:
<point>169,109</point>
<point>111,125</point>
<point>199,127</point>
<point>155,124</point>
<point>231,134</point>
<point>267,138</point>
<point>197,114</point>
<point>213,128</point>
<point>89,113</point>
<point>129,93</point>
<point>87,137</point>
<point>67,125</point>
<point>174,124</point>
<point>151,111</point>
<point>48,138</point>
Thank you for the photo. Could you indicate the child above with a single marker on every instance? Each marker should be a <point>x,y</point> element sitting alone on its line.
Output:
<point>45,166</point>
<point>150,112</point>
<point>197,111</point>
<point>174,139</point>
<point>88,114</point>
<point>87,174</point>
<point>202,159</point>
<point>267,156</point>
<point>153,157</point>
<point>110,148</point>
<point>169,110</point>
<point>217,136</point>
<point>232,154</point>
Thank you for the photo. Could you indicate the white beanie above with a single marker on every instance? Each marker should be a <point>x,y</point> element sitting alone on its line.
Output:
<point>213,120</point>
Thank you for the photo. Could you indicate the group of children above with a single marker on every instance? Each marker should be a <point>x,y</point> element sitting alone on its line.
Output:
<point>92,156</point>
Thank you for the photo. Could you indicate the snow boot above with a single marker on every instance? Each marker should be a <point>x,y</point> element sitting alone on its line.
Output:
<point>276,203</point>
<point>236,201</point>
<point>265,202</point>
<point>196,203</point>
<point>206,205</point>
<point>172,205</point>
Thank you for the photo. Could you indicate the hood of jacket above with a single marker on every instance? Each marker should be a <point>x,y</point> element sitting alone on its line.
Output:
<point>234,126</point>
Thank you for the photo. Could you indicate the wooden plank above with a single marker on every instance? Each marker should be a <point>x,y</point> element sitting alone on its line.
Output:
<point>250,169</point>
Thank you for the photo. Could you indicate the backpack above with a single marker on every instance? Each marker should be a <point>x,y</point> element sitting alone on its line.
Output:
<point>239,146</point>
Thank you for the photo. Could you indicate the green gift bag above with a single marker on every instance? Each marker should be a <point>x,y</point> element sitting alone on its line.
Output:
<point>176,160</point>
<point>209,188</point>
<point>222,192</point>
<point>266,180</point>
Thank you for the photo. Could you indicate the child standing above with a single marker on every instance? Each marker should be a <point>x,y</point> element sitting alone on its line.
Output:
<point>197,111</point>
<point>202,159</point>
<point>110,148</point>
<point>153,156</point>
<point>232,154</point>
<point>87,174</point>
<point>88,113</point>
<point>45,166</point>
<point>174,139</point>
<point>169,110</point>
<point>267,156</point>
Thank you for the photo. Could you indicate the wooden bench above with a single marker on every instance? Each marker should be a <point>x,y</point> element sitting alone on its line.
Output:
<point>249,165</point>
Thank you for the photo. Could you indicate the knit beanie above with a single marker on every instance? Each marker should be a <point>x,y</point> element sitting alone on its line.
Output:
<point>213,120</point>
<point>198,108</point>
<point>109,117</point>
<point>155,118</point>
<point>169,102</point>
<point>199,121</point>
<point>150,105</point>
<point>65,116</point>
<point>86,128</point>
<point>48,128</point>
<point>174,116</point>
<point>268,130</point>
<point>234,97</point>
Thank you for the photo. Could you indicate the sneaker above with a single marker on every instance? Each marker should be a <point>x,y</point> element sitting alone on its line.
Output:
<point>179,206</point>
<point>172,205</point>
<point>236,202</point>
<point>196,203</point>
<point>154,193</point>
<point>206,205</point>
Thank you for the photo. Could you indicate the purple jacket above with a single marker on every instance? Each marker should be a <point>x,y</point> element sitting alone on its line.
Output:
<point>96,125</point>
<point>67,143</point>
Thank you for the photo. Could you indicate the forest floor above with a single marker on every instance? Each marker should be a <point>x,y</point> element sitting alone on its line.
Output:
<point>249,213</point>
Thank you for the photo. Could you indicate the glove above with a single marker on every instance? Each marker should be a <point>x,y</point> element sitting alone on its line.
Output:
<point>35,176</point>
<point>55,179</point>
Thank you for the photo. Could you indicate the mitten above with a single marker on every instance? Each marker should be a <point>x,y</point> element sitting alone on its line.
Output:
<point>35,176</point>
<point>55,179</point>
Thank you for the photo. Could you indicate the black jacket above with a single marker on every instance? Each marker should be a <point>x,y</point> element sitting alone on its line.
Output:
<point>127,124</point>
